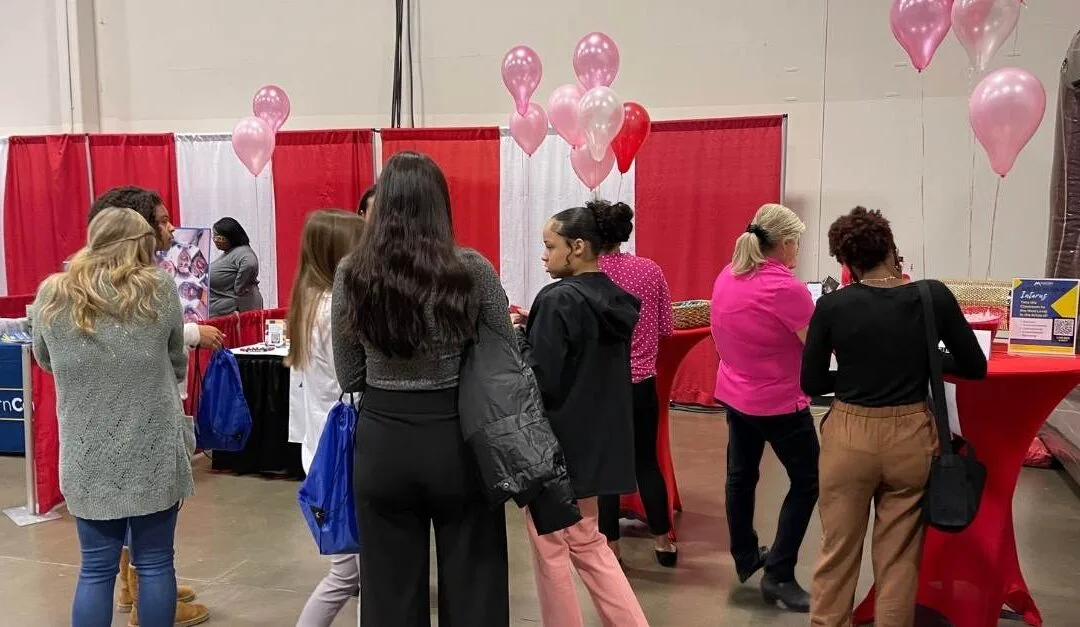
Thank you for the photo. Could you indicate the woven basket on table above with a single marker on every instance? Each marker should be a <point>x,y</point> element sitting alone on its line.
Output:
<point>993,296</point>
<point>691,314</point>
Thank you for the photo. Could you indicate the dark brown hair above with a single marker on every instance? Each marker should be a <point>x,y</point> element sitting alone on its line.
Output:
<point>407,269</point>
<point>861,240</point>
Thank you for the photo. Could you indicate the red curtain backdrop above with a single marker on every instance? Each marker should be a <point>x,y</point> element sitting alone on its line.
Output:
<point>144,160</point>
<point>469,157</point>
<point>45,204</point>
<point>698,184</point>
<point>314,170</point>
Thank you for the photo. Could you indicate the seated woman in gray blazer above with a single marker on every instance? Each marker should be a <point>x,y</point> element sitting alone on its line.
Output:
<point>234,277</point>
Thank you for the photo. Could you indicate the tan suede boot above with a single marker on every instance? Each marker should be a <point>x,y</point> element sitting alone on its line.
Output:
<point>124,601</point>
<point>187,614</point>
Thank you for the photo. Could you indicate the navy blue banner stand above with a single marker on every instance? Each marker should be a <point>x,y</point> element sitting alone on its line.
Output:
<point>12,400</point>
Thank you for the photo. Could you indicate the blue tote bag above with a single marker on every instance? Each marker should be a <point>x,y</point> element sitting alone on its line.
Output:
<point>223,422</point>
<point>326,495</point>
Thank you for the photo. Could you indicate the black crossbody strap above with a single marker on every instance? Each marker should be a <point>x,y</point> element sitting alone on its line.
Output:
<point>937,380</point>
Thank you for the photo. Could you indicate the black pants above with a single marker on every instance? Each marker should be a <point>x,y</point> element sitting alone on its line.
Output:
<point>795,442</point>
<point>412,471</point>
<point>650,481</point>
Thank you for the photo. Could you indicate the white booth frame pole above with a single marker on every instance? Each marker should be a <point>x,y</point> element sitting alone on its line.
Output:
<point>30,513</point>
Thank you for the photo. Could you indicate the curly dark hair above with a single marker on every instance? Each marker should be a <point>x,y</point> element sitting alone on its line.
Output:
<point>603,224</point>
<point>861,240</point>
<point>409,291</point>
<point>142,201</point>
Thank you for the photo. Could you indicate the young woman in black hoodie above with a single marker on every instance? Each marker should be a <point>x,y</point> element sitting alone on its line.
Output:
<point>576,338</point>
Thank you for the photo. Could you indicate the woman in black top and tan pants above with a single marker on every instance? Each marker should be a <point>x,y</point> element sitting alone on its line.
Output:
<point>879,438</point>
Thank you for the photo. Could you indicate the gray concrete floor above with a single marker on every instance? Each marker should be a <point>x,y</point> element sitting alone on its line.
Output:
<point>243,546</point>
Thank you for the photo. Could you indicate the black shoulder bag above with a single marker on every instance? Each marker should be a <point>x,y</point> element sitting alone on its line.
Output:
<point>957,477</point>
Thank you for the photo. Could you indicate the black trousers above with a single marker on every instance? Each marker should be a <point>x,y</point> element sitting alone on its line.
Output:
<point>650,480</point>
<point>795,442</point>
<point>412,471</point>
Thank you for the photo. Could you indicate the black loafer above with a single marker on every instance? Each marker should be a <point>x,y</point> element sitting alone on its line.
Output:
<point>762,556</point>
<point>787,596</point>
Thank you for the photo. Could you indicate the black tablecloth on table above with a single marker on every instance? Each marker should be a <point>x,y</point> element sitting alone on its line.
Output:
<point>268,451</point>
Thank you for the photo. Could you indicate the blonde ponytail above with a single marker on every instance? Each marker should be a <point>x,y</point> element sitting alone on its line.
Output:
<point>748,254</point>
<point>772,225</point>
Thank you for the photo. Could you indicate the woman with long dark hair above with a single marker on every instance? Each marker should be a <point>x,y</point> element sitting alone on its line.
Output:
<point>879,437</point>
<point>404,306</point>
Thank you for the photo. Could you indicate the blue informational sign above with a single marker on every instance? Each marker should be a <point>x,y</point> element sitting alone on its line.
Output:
<point>11,399</point>
<point>1043,316</point>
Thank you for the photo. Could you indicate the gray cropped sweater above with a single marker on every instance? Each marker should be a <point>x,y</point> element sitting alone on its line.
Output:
<point>359,364</point>
<point>125,444</point>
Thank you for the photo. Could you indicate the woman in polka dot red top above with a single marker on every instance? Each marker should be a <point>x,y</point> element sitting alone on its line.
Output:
<point>644,279</point>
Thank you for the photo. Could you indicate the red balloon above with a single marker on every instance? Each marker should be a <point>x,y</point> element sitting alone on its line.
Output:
<point>635,130</point>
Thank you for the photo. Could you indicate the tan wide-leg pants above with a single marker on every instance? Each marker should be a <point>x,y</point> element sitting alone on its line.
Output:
<point>877,455</point>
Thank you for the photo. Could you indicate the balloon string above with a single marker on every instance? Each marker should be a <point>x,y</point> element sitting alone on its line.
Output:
<point>993,224</point>
<point>971,208</point>
<point>971,187</point>
<point>922,172</point>
<point>618,193</point>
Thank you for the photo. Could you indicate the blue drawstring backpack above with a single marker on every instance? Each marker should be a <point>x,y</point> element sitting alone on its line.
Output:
<point>223,422</point>
<point>326,495</point>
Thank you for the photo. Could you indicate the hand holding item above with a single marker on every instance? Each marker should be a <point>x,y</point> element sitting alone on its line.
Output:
<point>518,317</point>
<point>210,337</point>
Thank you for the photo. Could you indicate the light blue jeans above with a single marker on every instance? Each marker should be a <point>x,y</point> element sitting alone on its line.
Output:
<point>151,543</point>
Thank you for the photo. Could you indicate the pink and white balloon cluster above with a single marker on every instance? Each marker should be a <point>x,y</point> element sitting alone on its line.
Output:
<point>254,137</point>
<point>1007,106</point>
<point>600,128</point>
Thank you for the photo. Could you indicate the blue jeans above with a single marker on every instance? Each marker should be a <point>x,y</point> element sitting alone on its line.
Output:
<point>151,542</point>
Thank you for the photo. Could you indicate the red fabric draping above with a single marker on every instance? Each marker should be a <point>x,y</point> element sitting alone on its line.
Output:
<point>45,203</point>
<point>148,161</point>
<point>698,184</point>
<point>314,170</point>
<point>672,352</point>
<point>15,306</point>
<point>469,157</point>
<point>969,576</point>
<point>46,440</point>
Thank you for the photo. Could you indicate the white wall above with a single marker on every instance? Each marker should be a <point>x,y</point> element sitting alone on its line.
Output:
<point>192,66</point>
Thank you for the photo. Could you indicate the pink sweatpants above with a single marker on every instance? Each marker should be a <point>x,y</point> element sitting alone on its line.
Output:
<point>581,547</point>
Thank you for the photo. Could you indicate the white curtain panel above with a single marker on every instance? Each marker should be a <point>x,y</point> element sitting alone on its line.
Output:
<point>3,188</point>
<point>214,184</point>
<point>533,189</point>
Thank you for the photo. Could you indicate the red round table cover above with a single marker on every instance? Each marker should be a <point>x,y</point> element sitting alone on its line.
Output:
<point>672,352</point>
<point>969,577</point>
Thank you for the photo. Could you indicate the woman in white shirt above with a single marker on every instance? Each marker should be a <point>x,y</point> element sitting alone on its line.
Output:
<point>329,235</point>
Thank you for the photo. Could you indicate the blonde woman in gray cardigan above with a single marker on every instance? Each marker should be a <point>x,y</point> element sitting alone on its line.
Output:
<point>111,331</point>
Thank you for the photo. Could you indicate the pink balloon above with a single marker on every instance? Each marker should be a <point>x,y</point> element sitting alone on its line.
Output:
<point>253,142</point>
<point>920,26</point>
<point>596,60</point>
<point>562,111</point>
<point>271,105</point>
<point>591,172</point>
<point>601,115</point>
<point>529,130</point>
<point>1006,109</point>
<point>982,26</point>
<point>521,73</point>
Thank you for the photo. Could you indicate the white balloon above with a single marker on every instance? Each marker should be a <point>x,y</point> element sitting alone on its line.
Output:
<point>600,113</point>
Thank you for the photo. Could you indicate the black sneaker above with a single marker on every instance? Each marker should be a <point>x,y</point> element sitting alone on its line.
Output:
<point>787,596</point>
<point>745,574</point>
